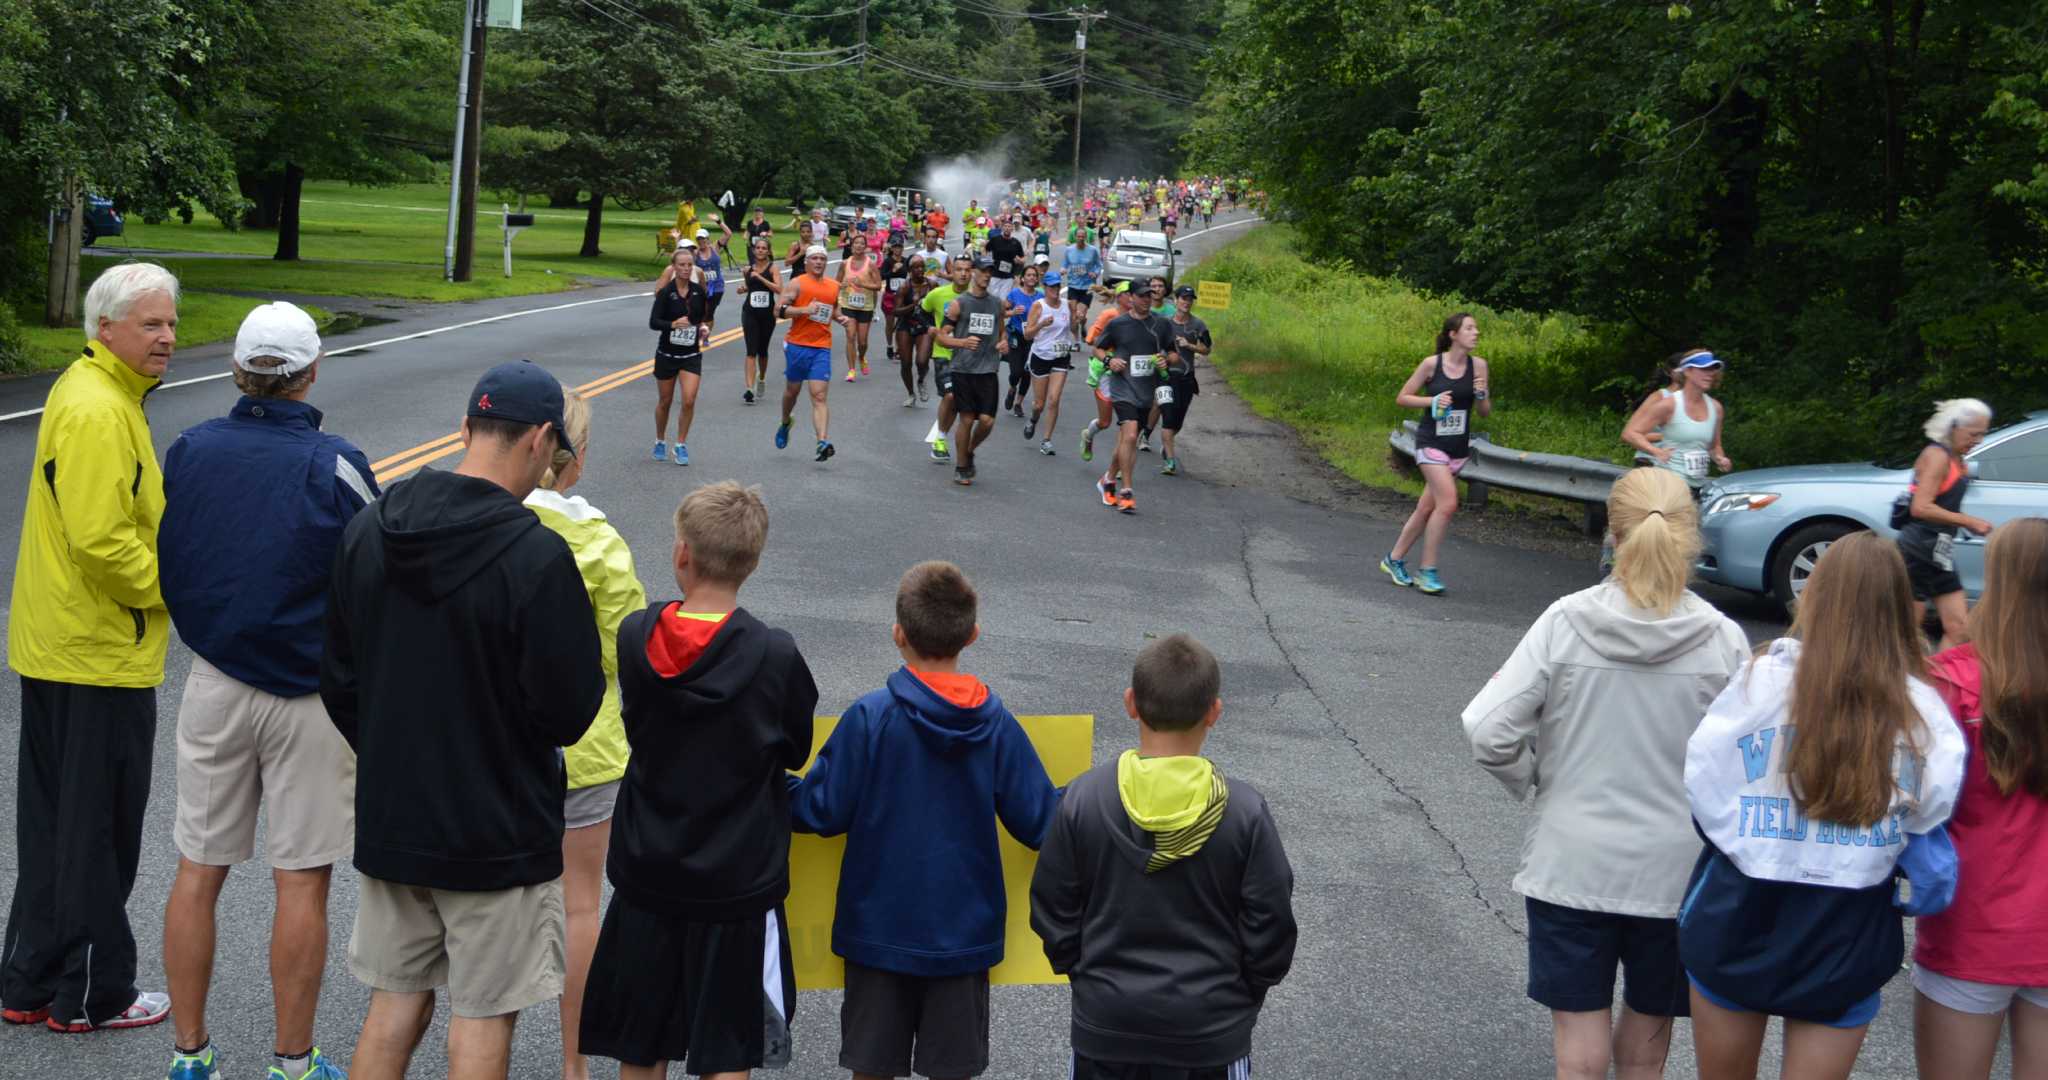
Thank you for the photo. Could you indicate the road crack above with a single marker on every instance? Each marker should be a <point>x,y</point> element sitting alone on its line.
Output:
<point>1337,725</point>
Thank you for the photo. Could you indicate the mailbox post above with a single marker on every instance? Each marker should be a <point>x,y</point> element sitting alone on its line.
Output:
<point>512,225</point>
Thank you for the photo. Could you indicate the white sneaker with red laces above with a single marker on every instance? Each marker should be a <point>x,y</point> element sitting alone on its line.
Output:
<point>149,1008</point>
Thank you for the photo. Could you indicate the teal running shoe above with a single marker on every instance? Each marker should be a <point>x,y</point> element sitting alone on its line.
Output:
<point>200,1066</point>
<point>1426,580</point>
<point>1398,570</point>
<point>682,454</point>
<point>782,433</point>
<point>319,1068</point>
<point>660,450</point>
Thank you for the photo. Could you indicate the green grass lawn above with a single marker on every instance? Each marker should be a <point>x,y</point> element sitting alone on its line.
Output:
<point>374,242</point>
<point>202,317</point>
<point>1326,350</point>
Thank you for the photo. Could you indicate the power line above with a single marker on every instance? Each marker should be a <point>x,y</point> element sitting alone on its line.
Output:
<point>795,14</point>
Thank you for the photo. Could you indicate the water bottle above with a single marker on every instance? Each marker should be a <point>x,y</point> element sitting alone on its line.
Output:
<point>1437,409</point>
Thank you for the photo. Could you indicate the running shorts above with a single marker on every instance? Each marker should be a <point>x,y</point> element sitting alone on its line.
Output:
<point>667,365</point>
<point>858,315</point>
<point>975,395</point>
<point>1041,366</point>
<point>806,363</point>
<point>1173,417</point>
<point>1079,296</point>
<point>1430,455</point>
<point>1096,368</point>
<point>1127,413</point>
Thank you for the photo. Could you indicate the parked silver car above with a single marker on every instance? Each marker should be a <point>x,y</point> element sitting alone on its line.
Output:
<point>1135,256</point>
<point>1765,529</point>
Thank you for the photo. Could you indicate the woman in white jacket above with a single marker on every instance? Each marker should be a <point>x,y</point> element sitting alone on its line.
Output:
<point>1592,713</point>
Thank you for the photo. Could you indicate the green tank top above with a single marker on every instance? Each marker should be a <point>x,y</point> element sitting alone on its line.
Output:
<point>1690,441</point>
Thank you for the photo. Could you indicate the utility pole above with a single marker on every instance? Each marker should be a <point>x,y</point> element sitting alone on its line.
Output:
<point>460,246</point>
<point>1080,89</point>
<point>863,37</point>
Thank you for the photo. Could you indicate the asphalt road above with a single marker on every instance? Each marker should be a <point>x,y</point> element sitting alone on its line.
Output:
<point>1341,693</point>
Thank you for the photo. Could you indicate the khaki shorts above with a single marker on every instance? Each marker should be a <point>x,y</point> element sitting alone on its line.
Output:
<point>496,952</point>
<point>239,748</point>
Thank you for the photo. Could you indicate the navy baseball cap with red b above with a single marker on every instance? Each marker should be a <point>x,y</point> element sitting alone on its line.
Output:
<point>522,392</point>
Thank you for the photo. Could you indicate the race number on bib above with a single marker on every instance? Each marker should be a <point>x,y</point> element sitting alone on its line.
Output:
<point>757,299</point>
<point>1003,268</point>
<point>682,335</point>
<point>980,323</point>
<point>857,300</point>
<point>1143,366</point>
<point>1451,423</point>
<point>1163,395</point>
<point>1693,463</point>
<point>896,284</point>
<point>1945,551</point>
<point>820,312</point>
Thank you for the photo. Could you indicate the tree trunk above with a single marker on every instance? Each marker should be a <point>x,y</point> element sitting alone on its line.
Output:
<point>293,182</point>
<point>593,225</point>
<point>62,306</point>
<point>265,192</point>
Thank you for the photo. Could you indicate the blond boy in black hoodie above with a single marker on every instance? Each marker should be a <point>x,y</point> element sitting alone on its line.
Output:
<point>1156,862</point>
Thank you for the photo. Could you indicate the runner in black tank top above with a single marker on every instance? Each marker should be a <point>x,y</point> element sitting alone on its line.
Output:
<point>1450,387</point>
<point>1941,478</point>
<point>759,287</point>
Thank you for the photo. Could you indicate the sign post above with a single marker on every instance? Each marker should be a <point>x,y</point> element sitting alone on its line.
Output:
<point>513,224</point>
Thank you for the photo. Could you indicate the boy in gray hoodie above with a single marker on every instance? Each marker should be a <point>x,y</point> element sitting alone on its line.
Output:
<point>1156,863</point>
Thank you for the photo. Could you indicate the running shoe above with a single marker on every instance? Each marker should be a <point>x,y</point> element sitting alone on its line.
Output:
<point>825,450</point>
<point>1396,569</point>
<point>923,394</point>
<point>1171,468</point>
<point>1107,490</point>
<point>761,386</point>
<point>1144,440</point>
<point>199,1066</point>
<point>150,1007</point>
<point>682,454</point>
<point>660,450</point>
<point>939,453</point>
<point>319,1068</point>
<point>1125,503</point>
<point>1088,440</point>
<point>25,1016</point>
<point>1010,401</point>
<point>863,365</point>
<point>850,371</point>
<point>1045,448</point>
<point>747,395</point>
<point>1031,425</point>
<point>910,401</point>
<point>961,477</point>
<point>782,433</point>
<point>1426,580</point>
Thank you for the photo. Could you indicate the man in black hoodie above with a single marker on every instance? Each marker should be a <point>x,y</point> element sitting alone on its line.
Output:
<point>461,655</point>
<point>1162,891</point>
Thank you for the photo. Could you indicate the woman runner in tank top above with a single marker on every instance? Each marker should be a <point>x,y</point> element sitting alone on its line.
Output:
<point>1451,387</point>
<point>1685,421</point>
<point>711,270</point>
<point>1050,327</point>
<point>860,282</point>
<point>895,271</point>
<point>913,332</point>
<point>1927,540</point>
<point>762,284</point>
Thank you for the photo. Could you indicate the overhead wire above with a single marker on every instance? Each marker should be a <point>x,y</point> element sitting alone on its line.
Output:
<point>797,14</point>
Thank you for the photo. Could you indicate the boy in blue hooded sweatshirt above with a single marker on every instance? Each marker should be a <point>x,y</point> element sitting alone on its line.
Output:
<point>916,776</point>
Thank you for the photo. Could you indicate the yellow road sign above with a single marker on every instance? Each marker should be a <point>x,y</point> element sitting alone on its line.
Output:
<point>1213,294</point>
<point>1064,744</point>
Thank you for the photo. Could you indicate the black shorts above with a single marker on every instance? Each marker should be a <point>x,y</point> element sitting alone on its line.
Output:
<point>891,1024</point>
<point>759,327</point>
<point>667,365</point>
<point>711,304</point>
<point>1080,296</point>
<point>1573,954</point>
<point>1041,366</point>
<point>976,395</point>
<point>1127,413</point>
<point>942,375</point>
<point>1172,417</point>
<point>915,328</point>
<point>1090,1069</point>
<point>858,316</point>
<point>1926,576</point>
<point>714,997</point>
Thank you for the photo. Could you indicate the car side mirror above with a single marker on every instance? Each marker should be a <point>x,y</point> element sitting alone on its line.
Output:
<point>1973,466</point>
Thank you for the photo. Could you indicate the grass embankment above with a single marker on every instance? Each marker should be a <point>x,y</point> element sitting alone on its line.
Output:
<point>1325,350</point>
<point>372,242</point>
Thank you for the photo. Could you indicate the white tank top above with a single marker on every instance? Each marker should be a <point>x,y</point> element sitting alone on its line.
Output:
<point>1054,332</point>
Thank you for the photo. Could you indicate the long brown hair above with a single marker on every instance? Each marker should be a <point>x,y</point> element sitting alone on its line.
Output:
<point>2010,629</point>
<point>1850,698</point>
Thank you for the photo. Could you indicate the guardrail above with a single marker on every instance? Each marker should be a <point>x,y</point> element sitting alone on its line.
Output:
<point>1558,476</point>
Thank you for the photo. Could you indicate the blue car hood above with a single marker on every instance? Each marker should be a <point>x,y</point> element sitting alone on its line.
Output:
<point>1862,472</point>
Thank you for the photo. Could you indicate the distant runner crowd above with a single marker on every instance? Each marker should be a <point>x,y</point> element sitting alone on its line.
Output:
<point>953,314</point>
<point>460,685</point>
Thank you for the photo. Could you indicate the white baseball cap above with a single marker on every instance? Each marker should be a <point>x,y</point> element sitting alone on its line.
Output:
<point>703,233</point>
<point>814,249</point>
<point>686,242</point>
<point>281,330</point>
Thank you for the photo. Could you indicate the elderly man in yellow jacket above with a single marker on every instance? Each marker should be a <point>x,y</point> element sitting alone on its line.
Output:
<point>86,635</point>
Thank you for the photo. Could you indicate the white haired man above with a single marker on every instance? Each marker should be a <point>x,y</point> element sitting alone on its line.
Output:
<point>86,635</point>
<point>254,507</point>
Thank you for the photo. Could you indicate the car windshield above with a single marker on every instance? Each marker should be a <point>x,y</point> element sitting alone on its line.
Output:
<point>1904,459</point>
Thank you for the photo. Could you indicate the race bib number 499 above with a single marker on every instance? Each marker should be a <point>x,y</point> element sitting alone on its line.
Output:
<point>1451,423</point>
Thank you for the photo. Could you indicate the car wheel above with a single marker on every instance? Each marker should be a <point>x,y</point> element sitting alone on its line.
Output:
<point>86,234</point>
<point>1794,563</point>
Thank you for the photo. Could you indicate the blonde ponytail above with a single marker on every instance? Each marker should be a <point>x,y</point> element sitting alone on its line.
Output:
<point>1657,525</point>
<point>576,425</point>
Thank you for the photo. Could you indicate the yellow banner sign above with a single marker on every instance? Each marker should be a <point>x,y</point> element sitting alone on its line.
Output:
<point>1212,294</point>
<point>1064,743</point>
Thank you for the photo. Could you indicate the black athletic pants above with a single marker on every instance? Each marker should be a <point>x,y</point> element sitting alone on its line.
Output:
<point>1019,357</point>
<point>82,781</point>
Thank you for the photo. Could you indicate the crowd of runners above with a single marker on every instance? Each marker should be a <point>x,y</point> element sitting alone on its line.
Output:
<point>1011,288</point>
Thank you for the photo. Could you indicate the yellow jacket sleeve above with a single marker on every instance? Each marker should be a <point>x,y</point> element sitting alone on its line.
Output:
<point>98,484</point>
